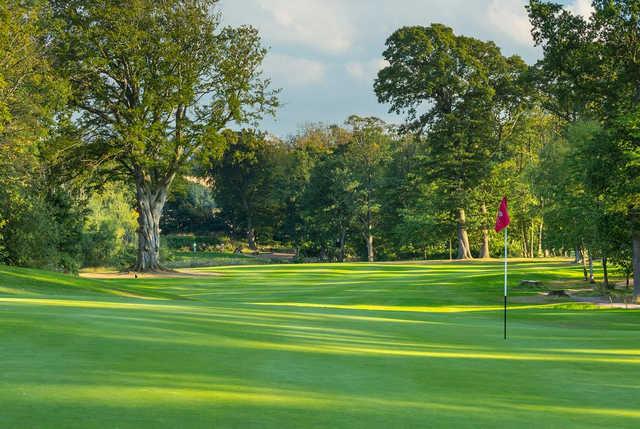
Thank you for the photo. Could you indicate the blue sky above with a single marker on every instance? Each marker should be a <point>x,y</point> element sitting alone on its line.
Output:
<point>324,54</point>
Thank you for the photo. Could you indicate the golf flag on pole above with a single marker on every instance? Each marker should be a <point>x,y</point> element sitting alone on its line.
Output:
<point>502,222</point>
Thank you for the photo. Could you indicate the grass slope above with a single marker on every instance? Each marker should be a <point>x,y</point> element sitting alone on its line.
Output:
<point>293,346</point>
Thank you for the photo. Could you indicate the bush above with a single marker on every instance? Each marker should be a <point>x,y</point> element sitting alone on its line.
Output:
<point>39,226</point>
<point>184,242</point>
<point>109,236</point>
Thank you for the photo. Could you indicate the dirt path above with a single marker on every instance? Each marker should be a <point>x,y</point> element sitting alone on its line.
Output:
<point>604,303</point>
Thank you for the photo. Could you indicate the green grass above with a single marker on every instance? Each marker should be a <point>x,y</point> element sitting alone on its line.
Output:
<point>320,346</point>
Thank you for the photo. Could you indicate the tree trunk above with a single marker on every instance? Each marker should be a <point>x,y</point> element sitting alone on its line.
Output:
<point>592,278</point>
<point>525,243</point>
<point>578,255</point>
<point>342,240</point>
<point>605,272</point>
<point>251,239</point>
<point>250,232</point>
<point>150,202</point>
<point>484,250</point>
<point>541,253</point>
<point>531,241</point>
<point>369,234</point>
<point>370,256</point>
<point>636,263</point>
<point>464,252</point>
<point>583,256</point>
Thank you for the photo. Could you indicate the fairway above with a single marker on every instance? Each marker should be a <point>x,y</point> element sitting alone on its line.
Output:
<point>320,346</point>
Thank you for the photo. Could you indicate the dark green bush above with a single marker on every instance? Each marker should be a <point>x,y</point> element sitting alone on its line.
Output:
<point>185,241</point>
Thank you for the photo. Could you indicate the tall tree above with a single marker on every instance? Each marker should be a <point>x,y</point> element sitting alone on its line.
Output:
<point>308,148</point>
<point>464,94</point>
<point>245,182</point>
<point>401,236</point>
<point>153,83</point>
<point>366,156</point>
<point>39,221</point>
<point>329,207</point>
<point>601,55</point>
<point>571,207</point>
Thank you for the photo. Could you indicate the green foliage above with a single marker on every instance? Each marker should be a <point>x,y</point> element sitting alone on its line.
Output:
<point>568,53</point>
<point>328,208</point>
<point>153,84</point>
<point>593,63</point>
<point>40,220</point>
<point>191,208</point>
<point>40,223</point>
<point>402,232</point>
<point>214,259</point>
<point>185,241</point>
<point>568,201</point>
<point>246,183</point>
<point>366,156</point>
<point>30,90</point>
<point>465,96</point>
<point>302,191</point>
<point>150,88</point>
<point>109,234</point>
<point>342,201</point>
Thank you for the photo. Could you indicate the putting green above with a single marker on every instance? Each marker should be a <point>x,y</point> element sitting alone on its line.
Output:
<point>321,346</point>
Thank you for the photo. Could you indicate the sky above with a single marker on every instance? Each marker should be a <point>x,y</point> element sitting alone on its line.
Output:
<point>324,54</point>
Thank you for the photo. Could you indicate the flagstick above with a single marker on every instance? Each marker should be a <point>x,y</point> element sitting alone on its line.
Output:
<point>505,283</point>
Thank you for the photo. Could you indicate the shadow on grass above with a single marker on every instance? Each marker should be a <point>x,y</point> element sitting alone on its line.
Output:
<point>310,356</point>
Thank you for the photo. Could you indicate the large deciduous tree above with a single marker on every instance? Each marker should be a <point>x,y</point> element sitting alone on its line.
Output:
<point>153,83</point>
<point>365,156</point>
<point>464,94</point>
<point>595,63</point>
<point>308,148</point>
<point>40,221</point>
<point>245,182</point>
<point>329,207</point>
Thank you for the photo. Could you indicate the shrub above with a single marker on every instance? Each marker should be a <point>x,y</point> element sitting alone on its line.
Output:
<point>109,235</point>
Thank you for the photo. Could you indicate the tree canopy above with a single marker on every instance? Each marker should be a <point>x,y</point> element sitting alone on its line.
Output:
<point>153,84</point>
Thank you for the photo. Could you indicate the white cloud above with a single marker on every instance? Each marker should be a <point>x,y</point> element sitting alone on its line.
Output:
<point>365,71</point>
<point>581,7</point>
<point>287,70</point>
<point>329,50</point>
<point>320,24</point>
<point>510,18</point>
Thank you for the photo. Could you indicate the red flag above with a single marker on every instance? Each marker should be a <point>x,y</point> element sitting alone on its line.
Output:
<point>502,221</point>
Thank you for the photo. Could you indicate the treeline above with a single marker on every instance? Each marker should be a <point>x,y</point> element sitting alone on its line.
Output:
<point>557,138</point>
<point>366,190</point>
<point>118,121</point>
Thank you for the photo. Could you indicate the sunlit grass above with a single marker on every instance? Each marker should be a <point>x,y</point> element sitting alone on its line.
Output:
<point>411,309</point>
<point>294,346</point>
